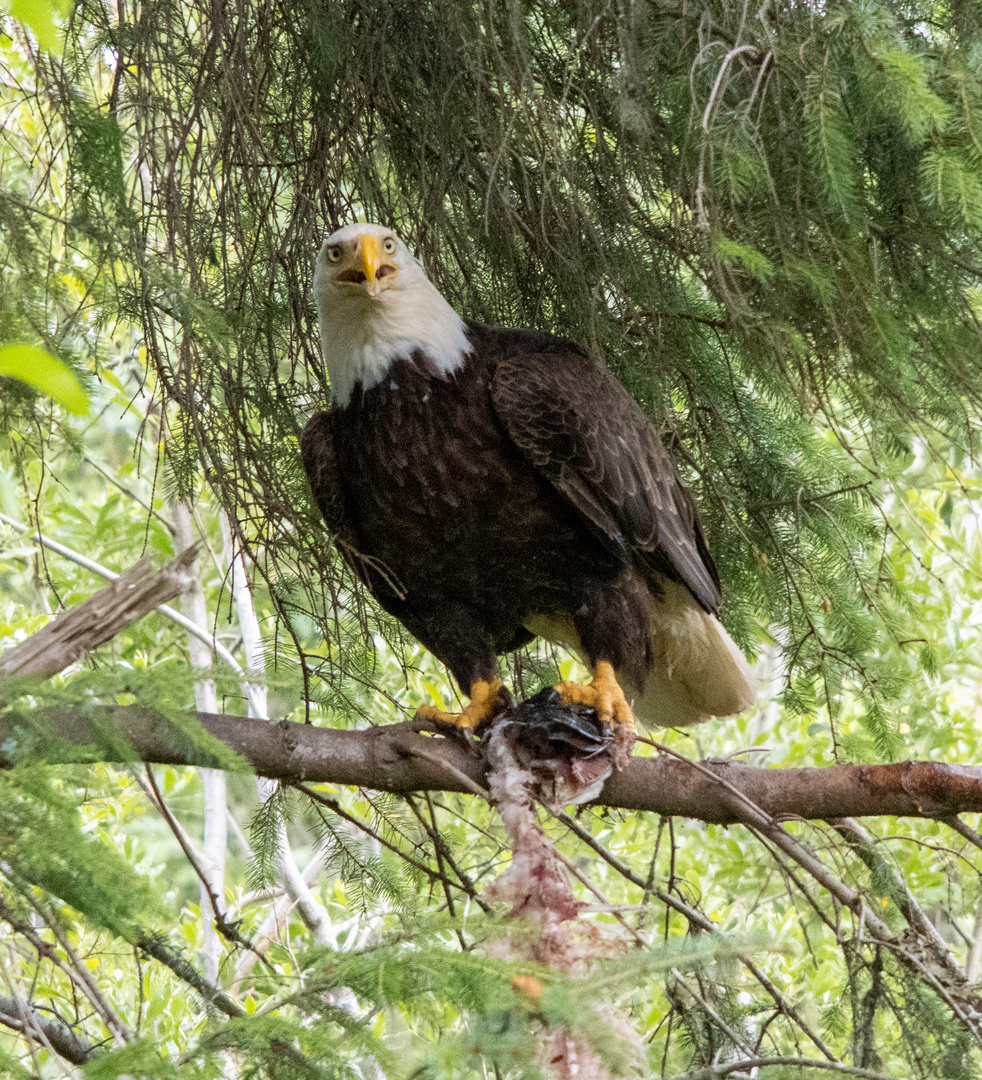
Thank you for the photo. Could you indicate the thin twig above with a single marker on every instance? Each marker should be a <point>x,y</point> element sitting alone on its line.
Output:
<point>725,1068</point>
<point>226,928</point>
<point>712,1013</point>
<point>475,788</point>
<point>335,806</point>
<point>696,918</point>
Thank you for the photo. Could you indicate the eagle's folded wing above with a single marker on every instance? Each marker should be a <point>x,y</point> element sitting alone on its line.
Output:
<point>581,429</point>
<point>321,467</point>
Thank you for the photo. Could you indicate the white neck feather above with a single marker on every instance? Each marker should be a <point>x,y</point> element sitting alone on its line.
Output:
<point>362,337</point>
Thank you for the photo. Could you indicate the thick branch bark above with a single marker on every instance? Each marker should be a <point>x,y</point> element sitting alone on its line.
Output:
<point>398,759</point>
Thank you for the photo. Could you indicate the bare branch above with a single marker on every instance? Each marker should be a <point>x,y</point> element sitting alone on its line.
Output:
<point>398,759</point>
<point>864,844</point>
<point>725,1068</point>
<point>72,966</point>
<point>697,920</point>
<point>27,1020</point>
<point>228,929</point>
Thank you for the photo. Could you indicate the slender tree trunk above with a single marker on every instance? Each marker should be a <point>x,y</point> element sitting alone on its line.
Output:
<point>212,780</point>
<point>311,911</point>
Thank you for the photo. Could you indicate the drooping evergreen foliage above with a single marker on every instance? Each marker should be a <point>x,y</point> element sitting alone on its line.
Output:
<point>767,221</point>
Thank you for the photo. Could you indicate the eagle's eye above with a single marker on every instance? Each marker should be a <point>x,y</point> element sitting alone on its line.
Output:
<point>334,253</point>
<point>388,245</point>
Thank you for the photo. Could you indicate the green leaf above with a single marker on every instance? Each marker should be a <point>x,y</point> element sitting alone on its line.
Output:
<point>31,364</point>
<point>38,16</point>
<point>946,509</point>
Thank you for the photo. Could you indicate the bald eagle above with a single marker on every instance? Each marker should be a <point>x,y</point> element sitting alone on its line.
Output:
<point>490,486</point>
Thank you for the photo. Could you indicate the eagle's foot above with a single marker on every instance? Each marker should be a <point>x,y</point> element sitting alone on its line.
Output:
<point>487,699</point>
<point>604,694</point>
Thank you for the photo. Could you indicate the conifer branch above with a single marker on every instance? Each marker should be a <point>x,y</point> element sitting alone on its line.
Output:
<point>434,875</point>
<point>267,931</point>
<point>154,946</point>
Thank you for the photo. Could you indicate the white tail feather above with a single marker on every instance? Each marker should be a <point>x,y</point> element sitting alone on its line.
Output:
<point>698,671</point>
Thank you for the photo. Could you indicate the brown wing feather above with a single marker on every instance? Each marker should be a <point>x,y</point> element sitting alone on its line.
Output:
<point>578,426</point>
<point>320,465</point>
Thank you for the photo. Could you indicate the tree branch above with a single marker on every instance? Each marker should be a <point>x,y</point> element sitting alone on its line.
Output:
<point>199,632</point>
<point>745,1065</point>
<point>399,759</point>
<point>55,1034</point>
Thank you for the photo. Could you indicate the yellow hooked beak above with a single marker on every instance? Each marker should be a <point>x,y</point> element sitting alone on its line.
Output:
<point>370,258</point>
<point>370,267</point>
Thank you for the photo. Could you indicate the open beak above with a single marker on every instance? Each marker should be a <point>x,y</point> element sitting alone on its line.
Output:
<point>368,267</point>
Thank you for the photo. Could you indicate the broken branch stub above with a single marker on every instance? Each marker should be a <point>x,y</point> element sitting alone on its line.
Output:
<point>111,610</point>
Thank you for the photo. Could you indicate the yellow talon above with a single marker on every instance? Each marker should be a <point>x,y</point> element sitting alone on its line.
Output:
<point>604,694</point>
<point>483,705</point>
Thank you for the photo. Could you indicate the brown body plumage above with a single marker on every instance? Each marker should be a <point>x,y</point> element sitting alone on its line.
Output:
<point>453,530</point>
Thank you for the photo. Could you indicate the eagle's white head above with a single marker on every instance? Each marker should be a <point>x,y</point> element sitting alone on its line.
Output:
<point>375,304</point>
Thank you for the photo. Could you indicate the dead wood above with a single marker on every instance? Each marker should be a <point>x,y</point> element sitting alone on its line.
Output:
<point>82,628</point>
